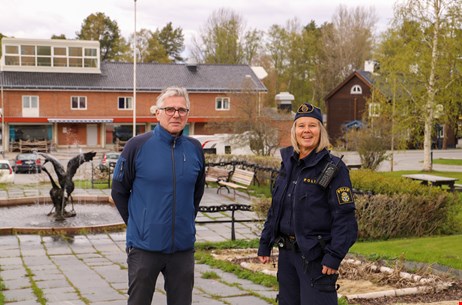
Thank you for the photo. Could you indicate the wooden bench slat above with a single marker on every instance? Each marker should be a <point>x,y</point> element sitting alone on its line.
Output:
<point>213,174</point>
<point>239,179</point>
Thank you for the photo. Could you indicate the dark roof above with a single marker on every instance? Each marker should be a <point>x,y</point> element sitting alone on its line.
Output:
<point>365,76</point>
<point>368,76</point>
<point>117,76</point>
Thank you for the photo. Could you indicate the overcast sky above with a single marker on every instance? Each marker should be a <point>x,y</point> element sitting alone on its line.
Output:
<point>43,18</point>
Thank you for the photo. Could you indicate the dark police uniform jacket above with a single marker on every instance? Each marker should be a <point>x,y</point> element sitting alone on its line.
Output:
<point>327,214</point>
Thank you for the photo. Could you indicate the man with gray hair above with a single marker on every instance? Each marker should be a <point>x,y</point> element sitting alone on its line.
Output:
<point>158,183</point>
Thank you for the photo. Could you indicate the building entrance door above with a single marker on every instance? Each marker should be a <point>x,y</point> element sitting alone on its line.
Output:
<point>92,135</point>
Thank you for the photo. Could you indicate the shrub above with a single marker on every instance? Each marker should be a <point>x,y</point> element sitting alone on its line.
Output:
<point>371,142</point>
<point>390,207</point>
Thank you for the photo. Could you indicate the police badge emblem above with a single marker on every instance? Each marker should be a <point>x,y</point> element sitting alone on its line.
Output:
<point>344,195</point>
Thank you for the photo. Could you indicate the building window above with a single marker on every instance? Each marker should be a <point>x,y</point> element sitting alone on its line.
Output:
<point>222,103</point>
<point>356,89</point>
<point>29,102</point>
<point>125,103</point>
<point>44,56</point>
<point>79,102</point>
<point>30,106</point>
<point>374,110</point>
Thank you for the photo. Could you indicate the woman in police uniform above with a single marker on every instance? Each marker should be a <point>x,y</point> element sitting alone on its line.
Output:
<point>312,215</point>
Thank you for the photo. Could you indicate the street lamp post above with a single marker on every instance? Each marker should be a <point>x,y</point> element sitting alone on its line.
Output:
<point>134,75</point>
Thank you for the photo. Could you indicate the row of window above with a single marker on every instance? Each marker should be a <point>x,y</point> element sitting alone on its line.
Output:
<point>51,56</point>
<point>124,103</point>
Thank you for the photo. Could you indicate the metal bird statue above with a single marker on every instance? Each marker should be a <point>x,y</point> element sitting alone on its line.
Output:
<point>65,179</point>
<point>56,194</point>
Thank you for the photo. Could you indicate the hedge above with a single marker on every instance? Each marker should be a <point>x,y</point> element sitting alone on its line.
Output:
<point>390,207</point>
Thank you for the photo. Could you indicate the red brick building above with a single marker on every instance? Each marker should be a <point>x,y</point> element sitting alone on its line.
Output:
<point>59,91</point>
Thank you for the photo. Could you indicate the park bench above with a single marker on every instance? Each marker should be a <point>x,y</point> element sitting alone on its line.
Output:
<point>31,146</point>
<point>433,180</point>
<point>215,174</point>
<point>457,187</point>
<point>239,179</point>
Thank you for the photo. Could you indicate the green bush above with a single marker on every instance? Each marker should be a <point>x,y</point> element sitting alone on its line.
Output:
<point>390,207</point>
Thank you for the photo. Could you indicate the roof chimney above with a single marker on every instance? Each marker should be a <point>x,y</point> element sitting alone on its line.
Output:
<point>284,101</point>
<point>192,67</point>
<point>371,66</point>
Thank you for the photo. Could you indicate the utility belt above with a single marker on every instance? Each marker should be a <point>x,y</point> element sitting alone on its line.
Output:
<point>287,242</point>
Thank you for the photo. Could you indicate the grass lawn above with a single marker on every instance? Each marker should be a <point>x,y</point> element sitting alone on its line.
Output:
<point>448,161</point>
<point>443,250</point>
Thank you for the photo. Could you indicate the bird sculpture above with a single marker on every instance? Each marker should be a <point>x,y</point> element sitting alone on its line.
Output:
<point>56,194</point>
<point>65,179</point>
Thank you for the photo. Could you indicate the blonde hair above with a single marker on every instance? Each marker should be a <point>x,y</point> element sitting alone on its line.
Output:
<point>323,138</point>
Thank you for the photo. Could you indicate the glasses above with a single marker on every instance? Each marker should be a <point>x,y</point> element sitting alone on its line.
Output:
<point>170,111</point>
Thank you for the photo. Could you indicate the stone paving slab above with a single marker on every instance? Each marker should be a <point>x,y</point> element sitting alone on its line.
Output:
<point>245,300</point>
<point>17,295</point>
<point>92,269</point>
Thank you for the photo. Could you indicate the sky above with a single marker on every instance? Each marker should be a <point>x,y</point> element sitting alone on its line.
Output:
<point>44,18</point>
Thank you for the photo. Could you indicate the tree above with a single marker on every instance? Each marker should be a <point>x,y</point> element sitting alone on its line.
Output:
<point>251,126</point>
<point>346,44</point>
<point>157,52</point>
<point>62,36</point>
<point>293,51</point>
<point>172,41</point>
<point>371,142</point>
<point>143,37</point>
<point>253,129</point>
<point>276,48</point>
<point>422,47</point>
<point>161,46</point>
<point>101,28</point>
<point>224,40</point>
<point>1,37</point>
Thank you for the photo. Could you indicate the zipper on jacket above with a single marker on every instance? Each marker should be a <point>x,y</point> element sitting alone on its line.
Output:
<point>174,195</point>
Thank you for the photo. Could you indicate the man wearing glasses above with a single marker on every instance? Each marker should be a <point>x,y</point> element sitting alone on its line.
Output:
<point>157,186</point>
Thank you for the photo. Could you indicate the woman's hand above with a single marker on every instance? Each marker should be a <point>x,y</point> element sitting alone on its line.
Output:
<point>327,270</point>
<point>264,259</point>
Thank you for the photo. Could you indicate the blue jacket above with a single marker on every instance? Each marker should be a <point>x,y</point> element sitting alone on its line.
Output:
<point>157,185</point>
<point>321,216</point>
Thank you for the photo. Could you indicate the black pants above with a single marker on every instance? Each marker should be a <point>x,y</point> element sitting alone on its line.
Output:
<point>303,283</point>
<point>144,268</point>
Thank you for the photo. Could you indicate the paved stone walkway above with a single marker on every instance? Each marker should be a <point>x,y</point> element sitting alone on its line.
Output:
<point>92,269</point>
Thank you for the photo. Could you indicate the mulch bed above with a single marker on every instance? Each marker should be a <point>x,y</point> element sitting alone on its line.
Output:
<point>350,271</point>
<point>450,294</point>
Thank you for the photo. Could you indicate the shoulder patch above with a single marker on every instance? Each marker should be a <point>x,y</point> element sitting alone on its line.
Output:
<point>344,195</point>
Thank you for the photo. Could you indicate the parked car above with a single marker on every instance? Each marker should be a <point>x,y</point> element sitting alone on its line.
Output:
<point>109,159</point>
<point>27,163</point>
<point>6,172</point>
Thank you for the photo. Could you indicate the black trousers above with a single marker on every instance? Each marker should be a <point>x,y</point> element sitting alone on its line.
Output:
<point>144,268</point>
<point>302,283</point>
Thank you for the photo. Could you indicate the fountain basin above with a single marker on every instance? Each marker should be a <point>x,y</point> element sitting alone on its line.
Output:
<point>28,215</point>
